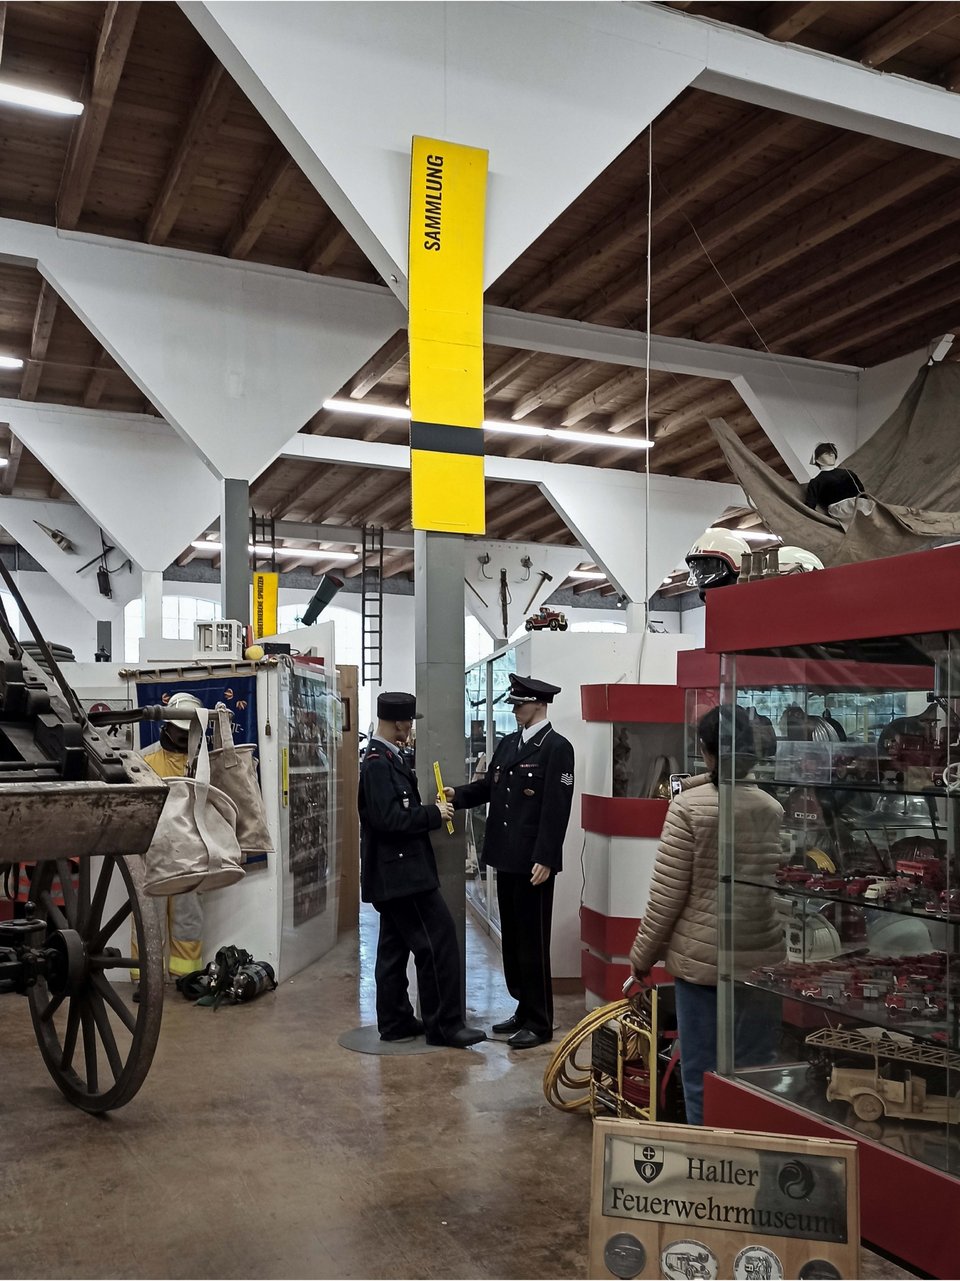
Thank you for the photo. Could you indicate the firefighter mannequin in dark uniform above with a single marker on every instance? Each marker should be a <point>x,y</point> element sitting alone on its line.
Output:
<point>529,786</point>
<point>398,875</point>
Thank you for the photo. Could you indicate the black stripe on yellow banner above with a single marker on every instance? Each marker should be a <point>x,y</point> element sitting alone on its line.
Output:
<point>442,438</point>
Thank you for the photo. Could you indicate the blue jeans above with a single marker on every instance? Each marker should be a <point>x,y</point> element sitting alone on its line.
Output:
<point>756,1031</point>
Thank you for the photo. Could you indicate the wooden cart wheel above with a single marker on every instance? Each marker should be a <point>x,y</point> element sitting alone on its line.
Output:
<point>97,1044</point>
<point>868,1107</point>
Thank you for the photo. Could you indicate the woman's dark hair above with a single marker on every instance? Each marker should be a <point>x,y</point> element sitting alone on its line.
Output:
<point>726,730</point>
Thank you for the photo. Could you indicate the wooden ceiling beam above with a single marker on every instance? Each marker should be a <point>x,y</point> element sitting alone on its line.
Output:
<point>803,232</point>
<point>683,182</point>
<point>187,556</point>
<point>909,27</point>
<point>43,319</point>
<point>393,353</point>
<point>116,32</point>
<point>261,204</point>
<point>208,114</point>
<point>841,259</point>
<point>698,410</point>
<point>8,478</point>
<point>512,513</point>
<point>897,283</point>
<point>359,496</point>
<point>288,504</point>
<point>950,75</point>
<point>527,530</point>
<point>596,401</point>
<point>759,201</point>
<point>556,385</point>
<point>509,371</point>
<point>104,366</point>
<point>878,321</point>
<point>786,21</point>
<point>326,248</point>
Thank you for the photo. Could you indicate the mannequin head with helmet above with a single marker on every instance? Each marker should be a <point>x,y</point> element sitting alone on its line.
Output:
<point>715,559</point>
<point>175,735</point>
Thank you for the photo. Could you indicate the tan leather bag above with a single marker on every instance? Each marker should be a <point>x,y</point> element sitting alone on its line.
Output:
<point>195,845</point>
<point>233,768</point>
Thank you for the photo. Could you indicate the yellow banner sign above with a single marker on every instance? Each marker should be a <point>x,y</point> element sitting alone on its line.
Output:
<point>447,207</point>
<point>265,590</point>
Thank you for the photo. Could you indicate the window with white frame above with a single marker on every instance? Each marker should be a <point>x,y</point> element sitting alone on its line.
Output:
<point>177,616</point>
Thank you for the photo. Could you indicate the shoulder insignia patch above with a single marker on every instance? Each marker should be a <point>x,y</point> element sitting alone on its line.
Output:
<point>566,780</point>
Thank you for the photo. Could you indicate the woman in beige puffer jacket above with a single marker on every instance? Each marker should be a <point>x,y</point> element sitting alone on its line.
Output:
<point>680,923</point>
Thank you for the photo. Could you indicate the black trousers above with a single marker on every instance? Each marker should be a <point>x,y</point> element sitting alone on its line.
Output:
<point>526,912</point>
<point>420,924</point>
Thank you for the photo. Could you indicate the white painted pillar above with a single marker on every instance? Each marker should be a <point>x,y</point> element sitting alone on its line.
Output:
<point>152,606</point>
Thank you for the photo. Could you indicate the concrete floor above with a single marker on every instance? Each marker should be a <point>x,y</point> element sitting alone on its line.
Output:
<point>259,1148</point>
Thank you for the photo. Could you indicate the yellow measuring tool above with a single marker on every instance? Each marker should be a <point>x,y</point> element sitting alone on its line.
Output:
<point>440,792</point>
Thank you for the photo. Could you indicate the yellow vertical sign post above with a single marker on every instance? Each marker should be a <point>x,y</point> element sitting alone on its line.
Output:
<point>265,589</point>
<point>447,204</point>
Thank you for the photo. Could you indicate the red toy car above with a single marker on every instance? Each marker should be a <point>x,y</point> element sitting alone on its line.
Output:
<point>546,618</point>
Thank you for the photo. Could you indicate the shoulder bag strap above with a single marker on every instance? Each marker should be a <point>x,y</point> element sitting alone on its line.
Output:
<point>223,736</point>
<point>201,788</point>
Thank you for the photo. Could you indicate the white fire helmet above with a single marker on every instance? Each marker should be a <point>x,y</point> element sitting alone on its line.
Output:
<point>186,701</point>
<point>714,559</point>
<point>796,560</point>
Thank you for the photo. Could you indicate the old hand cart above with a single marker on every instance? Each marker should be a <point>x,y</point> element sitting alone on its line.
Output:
<point>83,813</point>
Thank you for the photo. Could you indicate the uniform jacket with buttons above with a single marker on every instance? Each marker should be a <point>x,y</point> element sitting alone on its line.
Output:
<point>396,857</point>
<point>529,787</point>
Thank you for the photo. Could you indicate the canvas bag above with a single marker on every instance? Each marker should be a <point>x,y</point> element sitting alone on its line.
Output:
<point>233,768</point>
<point>195,845</point>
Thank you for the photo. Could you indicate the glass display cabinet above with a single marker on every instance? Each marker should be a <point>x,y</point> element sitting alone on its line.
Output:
<point>850,1020</point>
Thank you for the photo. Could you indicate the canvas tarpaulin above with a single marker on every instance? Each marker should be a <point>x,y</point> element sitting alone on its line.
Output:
<point>910,466</point>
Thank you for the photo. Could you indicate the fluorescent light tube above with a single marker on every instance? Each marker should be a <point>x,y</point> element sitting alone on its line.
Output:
<point>35,100</point>
<point>598,439</point>
<point>10,362</point>
<point>295,553</point>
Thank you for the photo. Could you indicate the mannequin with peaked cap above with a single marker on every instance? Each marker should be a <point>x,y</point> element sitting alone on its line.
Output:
<point>832,484</point>
<point>398,875</point>
<point>529,787</point>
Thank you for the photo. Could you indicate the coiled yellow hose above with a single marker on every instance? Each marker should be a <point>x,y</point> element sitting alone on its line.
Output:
<point>566,1082</point>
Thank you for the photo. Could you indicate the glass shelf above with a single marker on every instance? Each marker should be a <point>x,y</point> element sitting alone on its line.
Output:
<point>855,971</point>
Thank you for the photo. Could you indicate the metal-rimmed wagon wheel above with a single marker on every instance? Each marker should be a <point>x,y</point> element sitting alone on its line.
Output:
<point>97,1044</point>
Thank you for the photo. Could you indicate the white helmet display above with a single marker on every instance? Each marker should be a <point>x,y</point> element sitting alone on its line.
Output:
<point>714,559</point>
<point>797,560</point>
<point>185,700</point>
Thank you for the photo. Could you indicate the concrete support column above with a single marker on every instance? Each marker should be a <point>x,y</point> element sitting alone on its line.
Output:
<point>235,556</point>
<point>152,607</point>
<point>438,645</point>
<point>635,616</point>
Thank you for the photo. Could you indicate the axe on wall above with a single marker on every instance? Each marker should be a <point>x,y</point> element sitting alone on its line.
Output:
<point>544,578</point>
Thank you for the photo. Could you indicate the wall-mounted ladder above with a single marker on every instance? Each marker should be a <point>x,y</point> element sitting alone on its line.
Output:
<point>371,588</point>
<point>263,530</point>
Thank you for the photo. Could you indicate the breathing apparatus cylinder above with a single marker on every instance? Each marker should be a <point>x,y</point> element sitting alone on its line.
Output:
<point>253,980</point>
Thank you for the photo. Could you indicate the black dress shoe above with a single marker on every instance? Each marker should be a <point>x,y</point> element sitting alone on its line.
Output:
<point>460,1039</point>
<point>526,1040</point>
<point>512,1024</point>
<point>408,1034</point>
